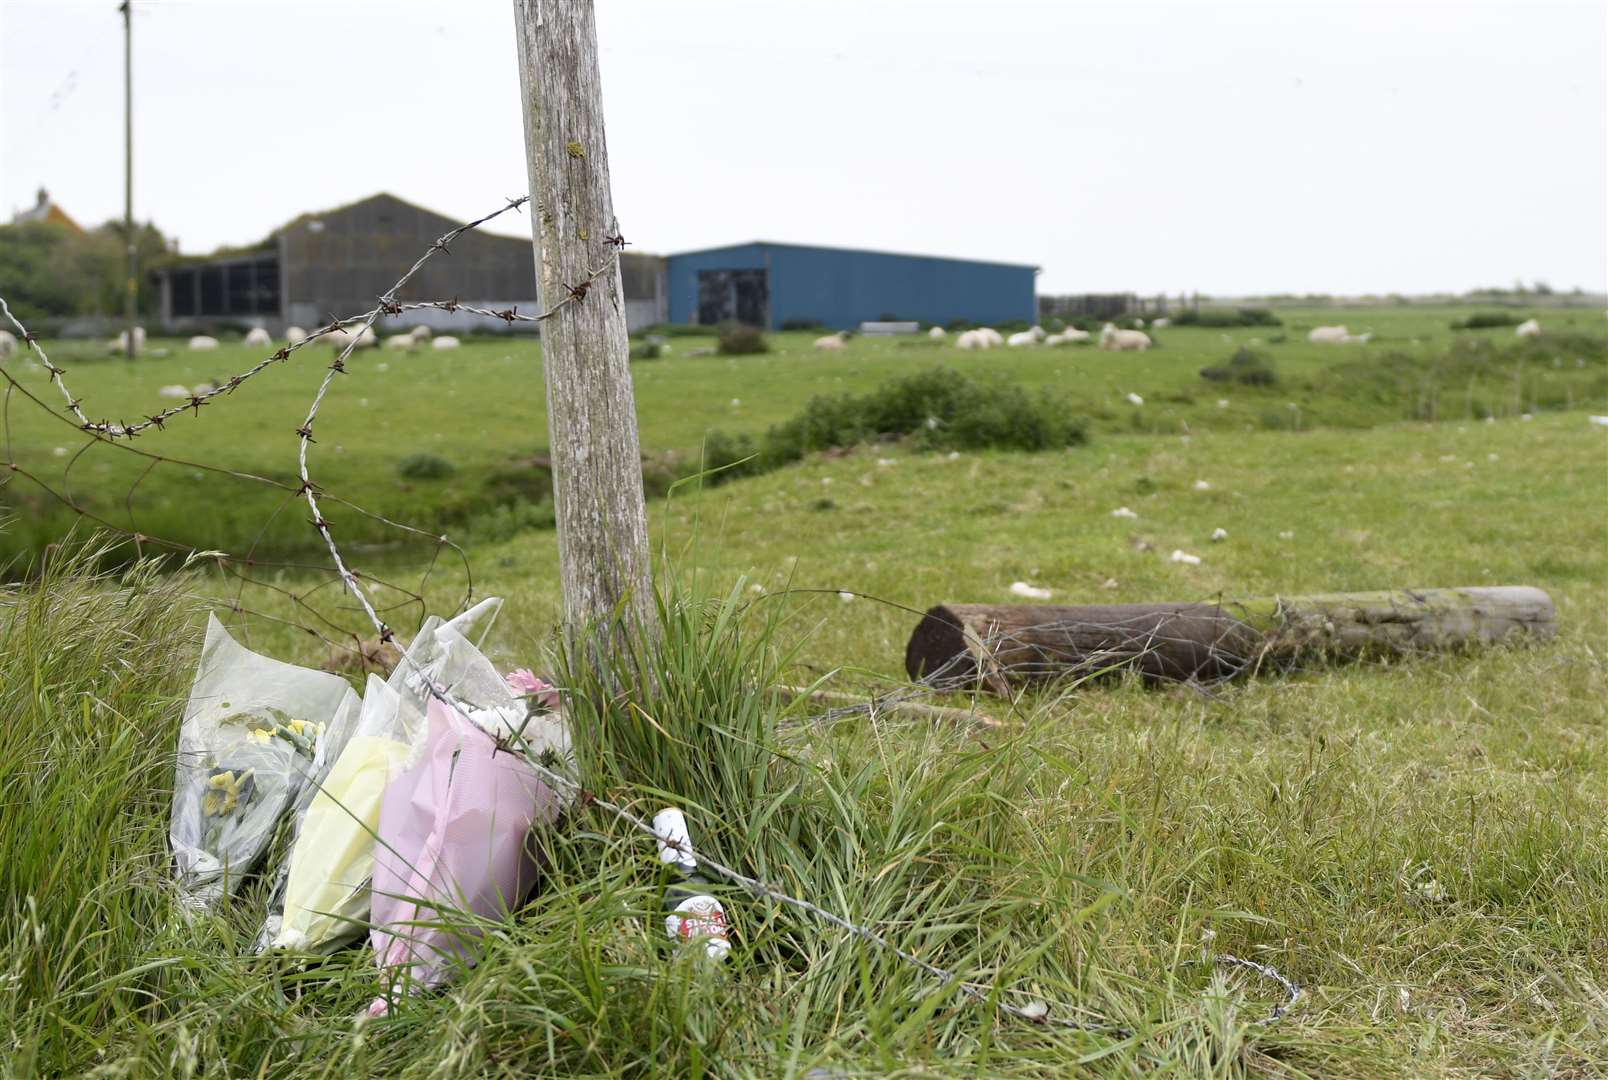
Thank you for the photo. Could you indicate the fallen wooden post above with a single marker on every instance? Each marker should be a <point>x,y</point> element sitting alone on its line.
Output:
<point>998,645</point>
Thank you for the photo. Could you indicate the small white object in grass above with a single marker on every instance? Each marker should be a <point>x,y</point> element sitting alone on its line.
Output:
<point>1201,485</point>
<point>382,366</point>
<point>1109,583</point>
<point>1287,534</point>
<point>886,461</point>
<point>363,402</point>
<point>1491,457</point>
<point>845,596</point>
<point>174,391</point>
<point>1222,403</point>
<point>1219,534</point>
<point>954,455</point>
<point>1035,1010</point>
<point>1031,592</point>
<point>757,589</point>
<point>1600,421</point>
<point>736,402</point>
<point>1124,512</point>
<point>933,422</point>
<point>1135,398</point>
<point>1185,557</point>
<point>60,451</point>
<point>825,480</point>
<point>1526,416</point>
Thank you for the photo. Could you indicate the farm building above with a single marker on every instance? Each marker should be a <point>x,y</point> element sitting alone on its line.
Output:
<point>340,261</point>
<point>769,284</point>
<point>46,209</point>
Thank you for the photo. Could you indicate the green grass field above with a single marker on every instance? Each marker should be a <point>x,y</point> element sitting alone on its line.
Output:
<point>1422,842</point>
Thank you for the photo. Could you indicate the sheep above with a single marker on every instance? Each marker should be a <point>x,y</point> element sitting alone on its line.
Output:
<point>258,336</point>
<point>1026,337</point>
<point>445,341</point>
<point>1328,335</point>
<point>1114,340</point>
<point>832,341</point>
<point>401,341</point>
<point>1161,323</point>
<point>203,343</point>
<point>421,332</point>
<point>1528,328</point>
<point>365,336</point>
<point>120,342</point>
<point>295,335</point>
<point>937,333</point>
<point>972,339</point>
<point>1357,339</point>
<point>1070,336</point>
<point>992,337</point>
<point>174,391</point>
<point>8,343</point>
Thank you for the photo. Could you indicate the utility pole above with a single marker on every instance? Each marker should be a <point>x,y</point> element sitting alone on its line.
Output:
<point>131,299</point>
<point>603,558</point>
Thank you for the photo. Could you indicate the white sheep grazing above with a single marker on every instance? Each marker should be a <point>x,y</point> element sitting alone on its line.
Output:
<point>994,338</point>
<point>1528,328</point>
<point>258,336</point>
<point>445,341</point>
<point>421,333</point>
<point>339,339</point>
<point>1328,335</point>
<point>295,335</point>
<point>937,333</point>
<point>120,342</point>
<point>1114,340</point>
<point>8,343</point>
<point>969,339</point>
<point>1026,337</point>
<point>1161,323</point>
<point>401,341</point>
<point>174,391</point>
<point>832,341</point>
<point>1070,336</point>
<point>203,343</point>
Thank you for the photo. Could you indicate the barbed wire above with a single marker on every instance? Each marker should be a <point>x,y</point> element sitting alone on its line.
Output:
<point>121,433</point>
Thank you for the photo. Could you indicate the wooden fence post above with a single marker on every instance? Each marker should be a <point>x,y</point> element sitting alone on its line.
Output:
<point>591,414</point>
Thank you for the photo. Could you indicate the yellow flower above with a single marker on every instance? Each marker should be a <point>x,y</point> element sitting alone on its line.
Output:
<point>223,791</point>
<point>261,736</point>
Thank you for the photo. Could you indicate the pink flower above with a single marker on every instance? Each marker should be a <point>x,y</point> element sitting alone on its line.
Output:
<point>545,693</point>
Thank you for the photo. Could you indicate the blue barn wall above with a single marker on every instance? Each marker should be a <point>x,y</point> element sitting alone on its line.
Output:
<point>843,288</point>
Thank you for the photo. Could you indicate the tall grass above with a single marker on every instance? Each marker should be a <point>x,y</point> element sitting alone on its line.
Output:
<point>1080,858</point>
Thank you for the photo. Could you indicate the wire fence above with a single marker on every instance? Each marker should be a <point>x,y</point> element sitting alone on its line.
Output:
<point>379,599</point>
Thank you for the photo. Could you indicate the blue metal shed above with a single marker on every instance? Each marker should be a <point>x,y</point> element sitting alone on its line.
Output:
<point>767,284</point>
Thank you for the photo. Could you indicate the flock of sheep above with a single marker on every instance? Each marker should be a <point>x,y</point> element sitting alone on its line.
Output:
<point>257,337</point>
<point>1112,338</point>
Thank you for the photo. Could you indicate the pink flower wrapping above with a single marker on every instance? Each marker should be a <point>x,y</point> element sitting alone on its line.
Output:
<point>452,838</point>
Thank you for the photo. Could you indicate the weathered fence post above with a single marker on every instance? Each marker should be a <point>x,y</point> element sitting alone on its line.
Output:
<point>591,415</point>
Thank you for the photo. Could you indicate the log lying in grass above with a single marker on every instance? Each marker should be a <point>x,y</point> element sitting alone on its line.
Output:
<point>961,645</point>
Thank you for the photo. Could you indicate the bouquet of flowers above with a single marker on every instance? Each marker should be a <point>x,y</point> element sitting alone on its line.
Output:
<point>255,732</point>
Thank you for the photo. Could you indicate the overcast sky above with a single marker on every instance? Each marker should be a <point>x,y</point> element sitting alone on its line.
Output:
<point>1223,147</point>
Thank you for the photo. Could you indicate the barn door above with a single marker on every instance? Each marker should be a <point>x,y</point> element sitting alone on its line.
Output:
<point>733,296</point>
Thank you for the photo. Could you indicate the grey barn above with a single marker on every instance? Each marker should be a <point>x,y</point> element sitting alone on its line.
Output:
<point>340,261</point>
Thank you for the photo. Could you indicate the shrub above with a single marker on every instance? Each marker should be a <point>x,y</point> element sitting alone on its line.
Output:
<point>1247,367</point>
<point>938,409</point>
<point>1223,317</point>
<point>425,467</point>
<point>740,339</point>
<point>647,350</point>
<point>1486,320</point>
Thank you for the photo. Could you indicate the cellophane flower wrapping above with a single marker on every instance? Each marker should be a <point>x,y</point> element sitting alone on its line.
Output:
<point>454,846</point>
<point>255,732</point>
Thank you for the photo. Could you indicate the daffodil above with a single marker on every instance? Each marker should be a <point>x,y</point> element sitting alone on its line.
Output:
<point>223,791</point>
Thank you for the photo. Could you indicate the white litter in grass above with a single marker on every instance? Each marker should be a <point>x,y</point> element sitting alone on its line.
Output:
<point>886,461</point>
<point>1185,557</point>
<point>1600,421</point>
<point>1219,534</point>
<point>1032,592</point>
<point>845,596</point>
<point>1109,583</point>
<point>954,455</point>
<point>1222,403</point>
<point>1135,399</point>
<point>1201,485</point>
<point>1035,1010</point>
<point>1287,535</point>
<point>1124,512</point>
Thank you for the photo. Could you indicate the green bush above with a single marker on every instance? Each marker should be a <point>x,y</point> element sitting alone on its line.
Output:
<point>1247,367</point>
<point>740,339</point>
<point>1487,320</point>
<point>1225,317</point>
<point>425,467</point>
<point>938,409</point>
<point>647,350</point>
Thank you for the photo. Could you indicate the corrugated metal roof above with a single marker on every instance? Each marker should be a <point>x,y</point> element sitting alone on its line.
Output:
<point>856,251</point>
